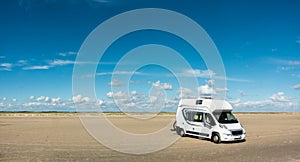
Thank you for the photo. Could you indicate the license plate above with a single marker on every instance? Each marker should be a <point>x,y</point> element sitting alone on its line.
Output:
<point>239,137</point>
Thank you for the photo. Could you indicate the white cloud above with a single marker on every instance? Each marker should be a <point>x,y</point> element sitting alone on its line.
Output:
<point>77,99</point>
<point>43,67</point>
<point>285,62</point>
<point>136,101</point>
<point>120,73</point>
<point>208,74</point>
<point>165,86</point>
<point>86,102</point>
<point>222,89</point>
<point>233,79</point>
<point>206,90</point>
<point>21,63</point>
<point>120,94</point>
<point>171,103</point>
<point>295,75</point>
<point>99,102</point>
<point>252,103</point>
<point>279,97</point>
<point>115,83</point>
<point>8,66</point>
<point>5,66</point>
<point>242,93</point>
<point>284,68</point>
<point>133,92</point>
<point>153,98</point>
<point>274,49</point>
<point>134,82</point>
<point>140,102</point>
<point>185,73</point>
<point>31,97</point>
<point>4,98</point>
<point>210,82</point>
<point>41,98</point>
<point>117,95</point>
<point>266,106</point>
<point>49,65</point>
<point>110,94</point>
<point>296,86</point>
<point>86,99</point>
<point>184,92</point>
<point>67,53</point>
<point>197,73</point>
<point>234,102</point>
<point>47,99</point>
<point>294,62</point>
<point>55,100</point>
<point>44,103</point>
<point>156,84</point>
<point>276,102</point>
<point>61,62</point>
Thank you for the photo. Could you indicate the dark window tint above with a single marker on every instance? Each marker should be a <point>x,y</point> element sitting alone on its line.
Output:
<point>225,117</point>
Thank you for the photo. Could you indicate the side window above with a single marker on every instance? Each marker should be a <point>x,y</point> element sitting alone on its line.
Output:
<point>192,115</point>
<point>186,114</point>
<point>209,119</point>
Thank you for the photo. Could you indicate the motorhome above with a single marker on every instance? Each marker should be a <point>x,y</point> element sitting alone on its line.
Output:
<point>208,118</point>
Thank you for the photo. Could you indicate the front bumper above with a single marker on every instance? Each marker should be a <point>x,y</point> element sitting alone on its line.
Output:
<point>229,137</point>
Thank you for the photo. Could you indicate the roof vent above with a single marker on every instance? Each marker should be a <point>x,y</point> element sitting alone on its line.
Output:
<point>198,102</point>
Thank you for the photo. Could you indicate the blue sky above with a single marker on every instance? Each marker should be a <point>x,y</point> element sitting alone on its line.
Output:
<point>259,42</point>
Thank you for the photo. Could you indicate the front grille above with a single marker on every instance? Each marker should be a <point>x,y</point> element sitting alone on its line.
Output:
<point>237,132</point>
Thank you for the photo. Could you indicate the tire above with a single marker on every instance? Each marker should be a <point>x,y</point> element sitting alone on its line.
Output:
<point>181,132</point>
<point>216,138</point>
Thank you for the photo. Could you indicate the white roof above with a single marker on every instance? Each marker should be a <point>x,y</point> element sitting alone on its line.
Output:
<point>211,104</point>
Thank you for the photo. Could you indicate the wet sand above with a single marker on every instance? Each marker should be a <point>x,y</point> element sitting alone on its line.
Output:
<point>61,137</point>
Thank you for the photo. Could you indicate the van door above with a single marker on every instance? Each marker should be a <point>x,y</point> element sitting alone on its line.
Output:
<point>194,122</point>
<point>208,124</point>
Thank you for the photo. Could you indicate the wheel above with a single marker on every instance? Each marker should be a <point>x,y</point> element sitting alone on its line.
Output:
<point>216,138</point>
<point>181,132</point>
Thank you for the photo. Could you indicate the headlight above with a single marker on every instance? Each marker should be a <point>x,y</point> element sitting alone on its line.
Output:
<point>244,131</point>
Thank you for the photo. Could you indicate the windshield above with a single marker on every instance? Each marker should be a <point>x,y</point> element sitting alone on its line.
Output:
<point>225,117</point>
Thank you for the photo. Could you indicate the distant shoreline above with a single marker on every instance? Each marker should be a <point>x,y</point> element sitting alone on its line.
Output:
<point>61,113</point>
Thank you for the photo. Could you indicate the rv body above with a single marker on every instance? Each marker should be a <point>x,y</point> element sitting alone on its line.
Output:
<point>208,118</point>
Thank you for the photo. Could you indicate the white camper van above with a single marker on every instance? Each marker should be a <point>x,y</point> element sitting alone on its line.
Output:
<point>208,118</point>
